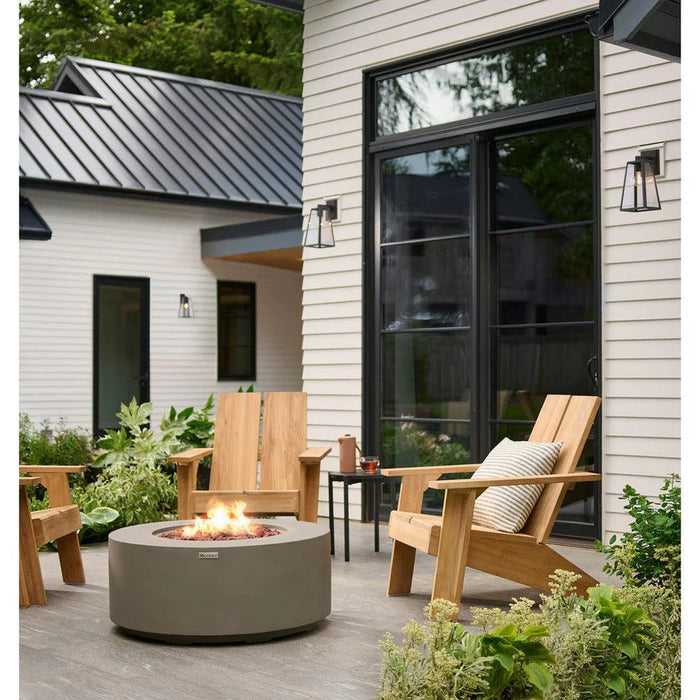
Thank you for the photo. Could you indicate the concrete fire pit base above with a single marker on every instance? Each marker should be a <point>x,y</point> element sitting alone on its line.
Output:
<point>186,592</point>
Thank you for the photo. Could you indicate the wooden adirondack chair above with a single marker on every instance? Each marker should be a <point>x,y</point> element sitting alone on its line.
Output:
<point>60,522</point>
<point>289,471</point>
<point>524,556</point>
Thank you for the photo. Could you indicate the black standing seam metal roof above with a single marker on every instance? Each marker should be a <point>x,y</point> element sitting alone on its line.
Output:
<point>152,133</point>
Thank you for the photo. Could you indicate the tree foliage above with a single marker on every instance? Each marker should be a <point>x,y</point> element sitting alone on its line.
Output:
<point>233,41</point>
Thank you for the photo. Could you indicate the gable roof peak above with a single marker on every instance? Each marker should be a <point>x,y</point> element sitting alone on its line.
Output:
<point>71,68</point>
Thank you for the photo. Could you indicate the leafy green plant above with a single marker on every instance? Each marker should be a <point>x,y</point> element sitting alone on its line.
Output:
<point>607,645</point>
<point>140,492</point>
<point>518,662</point>
<point>437,660</point>
<point>136,478</point>
<point>630,633</point>
<point>441,659</point>
<point>97,524</point>
<point>661,670</point>
<point>650,553</point>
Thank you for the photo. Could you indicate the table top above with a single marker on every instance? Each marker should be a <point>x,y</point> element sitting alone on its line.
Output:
<point>357,474</point>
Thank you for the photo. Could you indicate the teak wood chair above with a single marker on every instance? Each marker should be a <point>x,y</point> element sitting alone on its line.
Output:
<point>525,556</point>
<point>289,471</point>
<point>60,522</point>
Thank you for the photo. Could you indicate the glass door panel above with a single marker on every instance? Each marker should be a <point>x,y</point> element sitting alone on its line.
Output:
<point>425,306</point>
<point>542,305</point>
<point>120,347</point>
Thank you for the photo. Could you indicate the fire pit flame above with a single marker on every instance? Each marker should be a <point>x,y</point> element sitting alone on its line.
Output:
<point>223,522</point>
<point>220,520</point>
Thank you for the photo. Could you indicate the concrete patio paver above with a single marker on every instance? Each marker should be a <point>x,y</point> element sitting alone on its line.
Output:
<point>71,649</point>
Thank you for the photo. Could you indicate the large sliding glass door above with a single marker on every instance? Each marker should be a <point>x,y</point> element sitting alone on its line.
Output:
<point>481,269</point>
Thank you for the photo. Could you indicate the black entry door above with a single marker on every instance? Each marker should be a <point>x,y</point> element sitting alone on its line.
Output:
<point>121,352</point>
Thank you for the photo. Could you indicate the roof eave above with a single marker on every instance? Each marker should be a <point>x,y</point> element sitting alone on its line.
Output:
<point>170,197</point>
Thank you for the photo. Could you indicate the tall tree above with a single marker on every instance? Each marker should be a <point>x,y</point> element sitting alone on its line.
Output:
<point>233,41</point>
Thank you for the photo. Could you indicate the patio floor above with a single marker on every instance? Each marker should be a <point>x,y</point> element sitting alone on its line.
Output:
<point>71,649</point>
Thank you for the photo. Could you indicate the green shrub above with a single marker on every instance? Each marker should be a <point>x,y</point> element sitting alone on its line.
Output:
<point>136,478</point>
<point>612,644</point>
<point>65,446</point>
<point>435,661</point>
<point>53,444</point>
<point>650,553</point>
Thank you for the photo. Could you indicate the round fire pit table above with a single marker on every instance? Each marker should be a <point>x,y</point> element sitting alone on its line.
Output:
<point>185,591</point>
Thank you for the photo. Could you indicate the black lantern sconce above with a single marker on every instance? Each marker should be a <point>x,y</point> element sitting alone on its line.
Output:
<point>185,310</point>
<point>319,227</point>
<point>639,191</point>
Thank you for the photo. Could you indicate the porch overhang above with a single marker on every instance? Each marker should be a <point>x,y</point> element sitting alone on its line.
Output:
<point>273,242</point>
<point>31,225</point>
<point>650,26</point>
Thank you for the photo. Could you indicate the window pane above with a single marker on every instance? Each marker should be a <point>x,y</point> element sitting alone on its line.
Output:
<point>425,375</point>
<point>425,195</point>
<point>425,284</point>
<point>544,178</point>
<point>534,362</point>
<point>544,276</point>
<point>236,330</point>
<point>545,69</point>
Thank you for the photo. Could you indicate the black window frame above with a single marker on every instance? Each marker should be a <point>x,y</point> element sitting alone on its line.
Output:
<point>480,129</point>
<point>250,289</point>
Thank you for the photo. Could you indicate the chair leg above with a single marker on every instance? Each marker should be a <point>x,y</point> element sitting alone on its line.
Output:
<point>31,582</point>
<point>70,558</point>
<point>403,558</point>
<point>451,563</point>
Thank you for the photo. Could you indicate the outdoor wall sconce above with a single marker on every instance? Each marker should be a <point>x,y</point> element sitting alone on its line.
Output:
<point>319,229</point>
<point>185,310</point>
<point>639,191</point>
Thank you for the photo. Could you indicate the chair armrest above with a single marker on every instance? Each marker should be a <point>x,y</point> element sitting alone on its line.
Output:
<point>28,480</point>
<point>50,469</point>
<point>54,477</point>
<point>314,455</point>
<point>428,471</point>
<point>476,483</point>
<point>192,455</point>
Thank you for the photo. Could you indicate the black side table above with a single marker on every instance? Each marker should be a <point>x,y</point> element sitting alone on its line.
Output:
<point>349,478</point>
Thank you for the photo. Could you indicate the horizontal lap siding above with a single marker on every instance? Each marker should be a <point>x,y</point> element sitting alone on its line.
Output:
<point>640,254</point>
<point>121,237</point>
<point>340,40</point>
<point>639,104</point>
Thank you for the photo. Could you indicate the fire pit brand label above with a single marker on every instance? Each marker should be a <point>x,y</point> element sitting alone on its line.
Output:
<point>208,555</point>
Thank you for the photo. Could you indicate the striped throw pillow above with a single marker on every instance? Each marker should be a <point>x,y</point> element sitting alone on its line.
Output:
<point>507,508</point>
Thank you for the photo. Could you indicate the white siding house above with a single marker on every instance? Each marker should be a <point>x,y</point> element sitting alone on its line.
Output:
<point>102,235</point>
<point>639,285</point>
<point>135,173</point>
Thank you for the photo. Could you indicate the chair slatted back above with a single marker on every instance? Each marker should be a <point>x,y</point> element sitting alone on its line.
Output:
<point>283,440</point>
<point>567,419</point>
<point>234,463</point>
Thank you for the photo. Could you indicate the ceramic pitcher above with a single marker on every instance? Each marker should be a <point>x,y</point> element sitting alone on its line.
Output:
<point>347,445</point>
